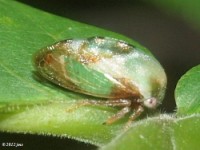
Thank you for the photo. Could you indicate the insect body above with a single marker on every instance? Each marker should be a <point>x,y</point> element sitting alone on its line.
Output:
<point>107,68</point>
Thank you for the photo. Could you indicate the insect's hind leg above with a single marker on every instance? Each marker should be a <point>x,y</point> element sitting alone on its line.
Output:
<point>118,115</point>
<point>111,103</point>
<point>136,114</point>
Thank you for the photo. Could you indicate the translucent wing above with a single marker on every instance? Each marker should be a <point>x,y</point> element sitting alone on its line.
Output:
<point>102,67</point>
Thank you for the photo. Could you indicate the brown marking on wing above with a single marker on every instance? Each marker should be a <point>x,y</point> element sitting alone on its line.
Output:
<point>124,47</point>
<point>38,60</point>
<point>88,58</point>
<point>49,62</point>
<point>128,90</point>
<point>48,59</point>
<point>42,60</point>
<point>85,56</point>
<point>157,88</point>
<point>57,73</point>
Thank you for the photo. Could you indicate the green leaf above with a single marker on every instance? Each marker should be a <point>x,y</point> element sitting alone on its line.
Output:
<point>187,93</point>
<point>164,132</point>
<point>29,104</point>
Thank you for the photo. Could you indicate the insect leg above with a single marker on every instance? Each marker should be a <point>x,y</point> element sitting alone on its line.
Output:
<point>136,113</point>
<point>118,115</point>
<point>112,103</point>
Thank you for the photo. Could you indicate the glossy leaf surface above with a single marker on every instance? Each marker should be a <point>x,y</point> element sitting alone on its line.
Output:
<point>187,93</point>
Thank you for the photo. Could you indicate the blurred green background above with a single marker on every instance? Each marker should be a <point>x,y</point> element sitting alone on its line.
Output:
<point>170,29</point>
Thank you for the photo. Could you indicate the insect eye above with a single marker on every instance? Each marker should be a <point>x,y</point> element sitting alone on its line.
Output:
<point>151,103</point>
